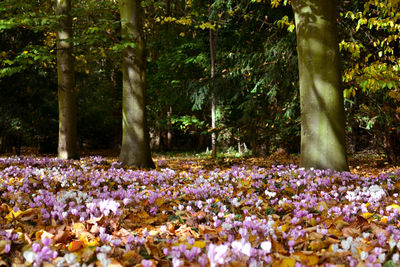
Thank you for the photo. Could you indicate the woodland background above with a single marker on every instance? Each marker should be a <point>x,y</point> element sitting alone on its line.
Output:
<point>255,83</point>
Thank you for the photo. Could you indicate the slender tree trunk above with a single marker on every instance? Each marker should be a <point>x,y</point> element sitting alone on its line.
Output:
<point>135,149</point>
<point>67,136</point>
<point>321,95</point>
<point>169,130</point>
<point>169,112</point>
<point>213,100</point>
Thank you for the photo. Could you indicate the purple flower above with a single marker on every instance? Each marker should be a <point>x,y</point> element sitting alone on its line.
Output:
<point>217,254</point>
<point>46,241</point>
<point>35,247</point>
<point>7,248</point>
<point>177,262</point>
<point>242,246</point>
<point>147,263</point>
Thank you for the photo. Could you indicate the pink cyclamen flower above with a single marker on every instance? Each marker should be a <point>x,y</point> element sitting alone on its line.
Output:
<point>217,254</point>
<point>242,246</point>
<point>147,263</point>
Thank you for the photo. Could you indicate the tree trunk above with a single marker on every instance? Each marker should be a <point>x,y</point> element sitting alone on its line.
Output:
<point>135,149</point>
<point>169,129</point>
<point>213,100</point>
<point>67,136</point>
<point>321,96</point>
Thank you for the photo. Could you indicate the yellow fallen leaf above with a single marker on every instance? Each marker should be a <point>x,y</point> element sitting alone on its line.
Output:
<point>199,244</point>
<point>367,215</point>
<point>13,215</point>
<point>317,245</point>
<point>159,201</point>
<point>285,262</point>
<point>284,227</point>
<point>309,260</point>
<point>78,227</point>
<point>43,234</point>
<point>92,243</point>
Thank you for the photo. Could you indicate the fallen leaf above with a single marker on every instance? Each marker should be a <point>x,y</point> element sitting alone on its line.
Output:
<point>309,260</point>
<point>285,262</point>
<point>75,245</point>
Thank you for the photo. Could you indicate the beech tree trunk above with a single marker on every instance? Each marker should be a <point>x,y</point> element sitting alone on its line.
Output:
<point>321,94</point>
<point>135,149</point>
<point>67,93</point>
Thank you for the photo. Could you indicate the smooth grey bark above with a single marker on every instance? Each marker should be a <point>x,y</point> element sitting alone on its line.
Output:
<point>67,93</point>
<point>135,149</point>
<point>321,94</point>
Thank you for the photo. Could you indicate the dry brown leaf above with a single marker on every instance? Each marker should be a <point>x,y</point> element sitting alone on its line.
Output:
<point>315,236</point>
<point>317,245</point>
<point>87,254</point>
<point>75,245</point>
<point>351,231</point>
<point>377,227</point>
<point>277,247</point>
<point>132,257</point>
<point>307,259</point>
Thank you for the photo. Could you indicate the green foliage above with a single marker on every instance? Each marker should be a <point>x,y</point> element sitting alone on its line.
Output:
<point>256,71</point>
<point>371,72</point>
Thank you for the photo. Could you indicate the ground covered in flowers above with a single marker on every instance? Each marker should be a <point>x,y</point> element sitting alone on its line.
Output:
<point>92,212</point>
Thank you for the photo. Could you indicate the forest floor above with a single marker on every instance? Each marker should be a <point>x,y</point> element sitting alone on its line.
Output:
<point>198,211</point>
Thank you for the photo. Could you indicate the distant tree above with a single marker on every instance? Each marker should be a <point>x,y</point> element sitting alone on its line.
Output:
<point>67,93</point>
<point>135,149</point>
<point>321,94</point>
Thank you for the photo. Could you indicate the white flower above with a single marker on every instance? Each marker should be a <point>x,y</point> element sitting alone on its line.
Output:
<point>382,257</point>
<point>102,257</point>
<point>376,193</point>
<point>366,235</point>
<point>235,202</point>
<point>70,258</point>
<point>346,244</point>
<point>105,248</point>
<point>363,255</point>
<point>395,257</point>
<point>351,196</point>
<point>266,246</point>
<point>108,205</point>
<point>335,248</point>
<point>163,228</point>
<point>269,194</point>
<point>29,256</point>
<point>227,226</point>
<point>282,201</point>
<point>392,243</point>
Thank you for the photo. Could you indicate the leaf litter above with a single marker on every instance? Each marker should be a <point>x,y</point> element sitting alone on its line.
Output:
<point>196,212</point>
